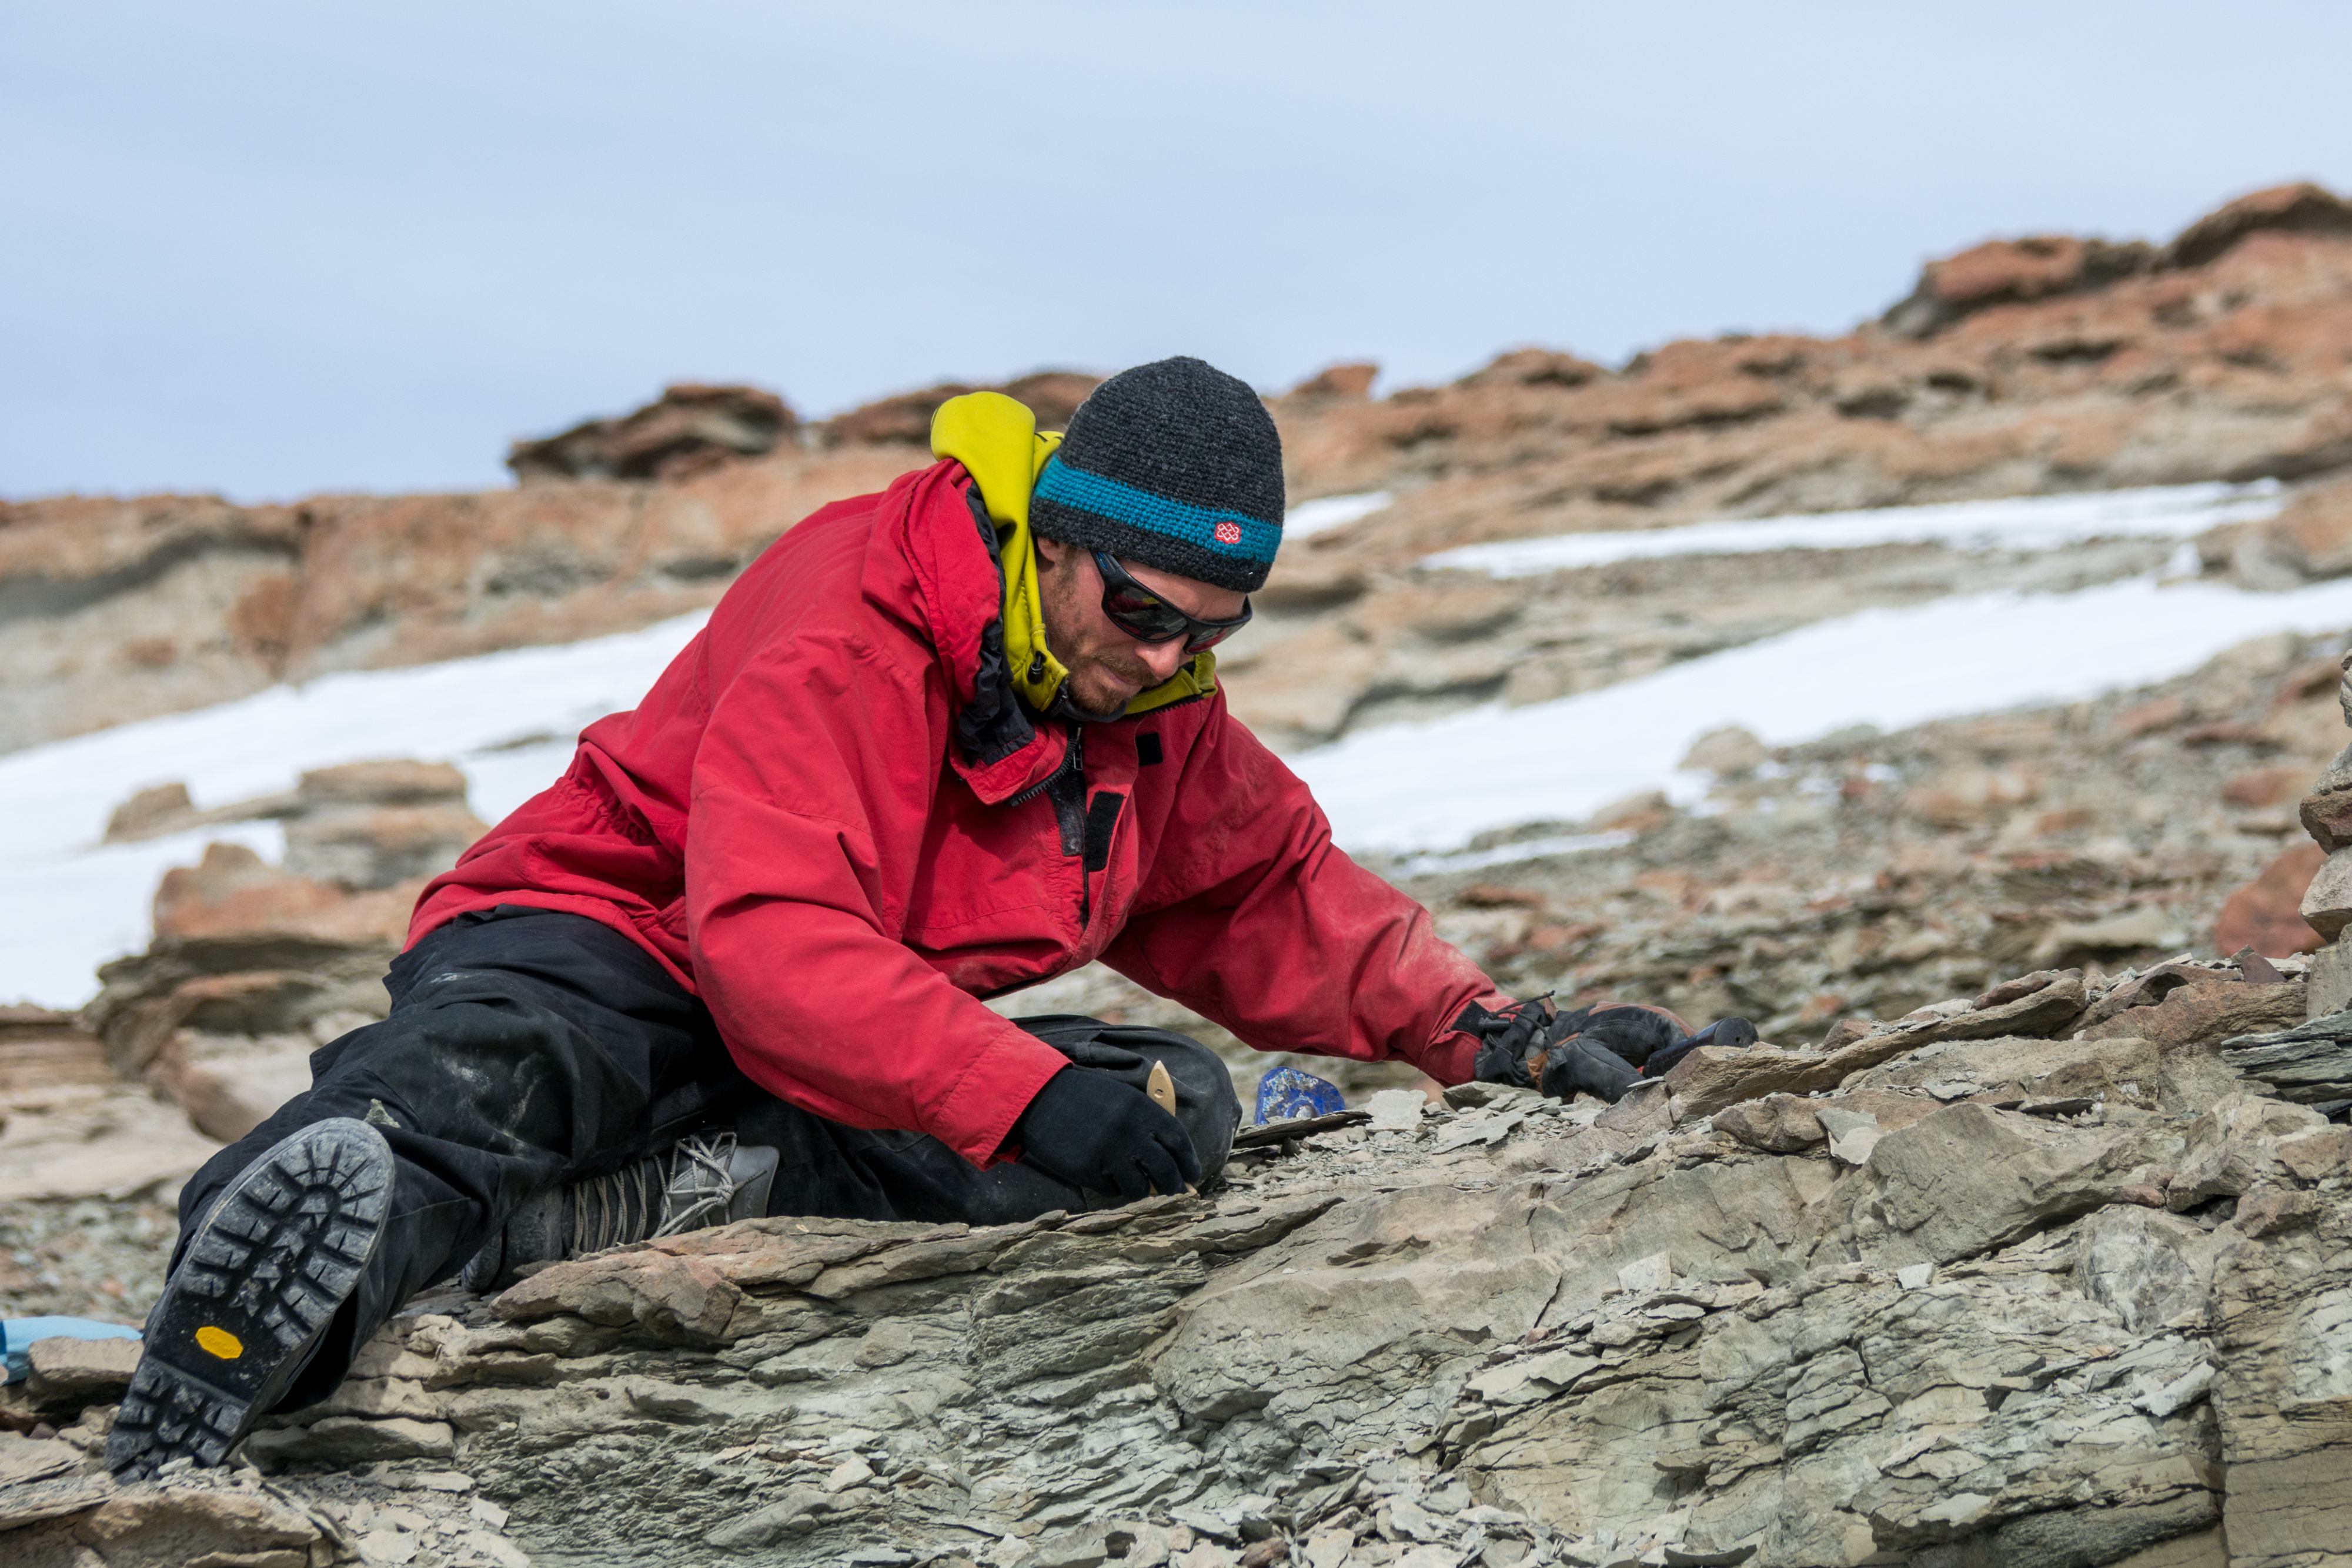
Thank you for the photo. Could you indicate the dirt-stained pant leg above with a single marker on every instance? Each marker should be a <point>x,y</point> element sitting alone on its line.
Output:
<point>525,1048</point>
<point>528,1048</point>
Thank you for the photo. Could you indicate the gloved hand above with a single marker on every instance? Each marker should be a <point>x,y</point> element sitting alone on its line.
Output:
<point>1578,1066</point>
<point>1632,1030</point>
<point>1091,1130</point>
<point>1601,1050</point>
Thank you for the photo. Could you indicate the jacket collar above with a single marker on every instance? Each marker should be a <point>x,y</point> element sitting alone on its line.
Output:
<point>997,441</point>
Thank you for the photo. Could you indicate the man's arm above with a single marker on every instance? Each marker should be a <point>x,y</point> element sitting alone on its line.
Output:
<point>785,896</point>
<point>1253,917</point>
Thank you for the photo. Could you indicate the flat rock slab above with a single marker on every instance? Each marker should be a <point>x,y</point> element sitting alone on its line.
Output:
<point>1711,1078</point>
<point>67,1368</point>
<point>2308,1064</point>
<point>2206,1014</point>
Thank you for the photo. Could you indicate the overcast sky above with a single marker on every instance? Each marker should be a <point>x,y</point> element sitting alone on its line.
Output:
<point>270,248</point>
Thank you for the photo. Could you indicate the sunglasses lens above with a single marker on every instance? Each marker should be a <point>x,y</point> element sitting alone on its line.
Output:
<point>1142,616</point>
<point>1201,642</point>
<point>1139,613</point>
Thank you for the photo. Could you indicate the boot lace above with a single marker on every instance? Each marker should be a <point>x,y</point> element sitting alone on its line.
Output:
<point>708,1162</point>
<point>664,1196</point>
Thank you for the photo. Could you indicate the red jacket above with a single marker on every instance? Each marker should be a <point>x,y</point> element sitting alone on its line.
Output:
<point>794,822</point>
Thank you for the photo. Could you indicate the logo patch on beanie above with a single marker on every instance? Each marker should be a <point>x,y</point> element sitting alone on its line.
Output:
<point>1229,532</point>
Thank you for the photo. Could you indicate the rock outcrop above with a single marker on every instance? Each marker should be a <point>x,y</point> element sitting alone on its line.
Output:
<point>1974,1298</point>
<point>2019,367</point>
<point>113,610</point>
<point>904,420</point>
<point>694,429</point>
<point>690,429</point>
<point>253,966</point>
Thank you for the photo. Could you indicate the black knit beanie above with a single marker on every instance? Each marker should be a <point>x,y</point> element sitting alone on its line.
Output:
<point>1173,465</point>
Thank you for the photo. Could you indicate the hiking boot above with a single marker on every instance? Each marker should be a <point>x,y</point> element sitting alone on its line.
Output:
<point>261,1279</point>
<point>701,1181</point>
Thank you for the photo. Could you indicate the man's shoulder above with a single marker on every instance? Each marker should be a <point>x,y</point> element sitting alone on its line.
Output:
<point>846,572</point>
<point>834,536</point>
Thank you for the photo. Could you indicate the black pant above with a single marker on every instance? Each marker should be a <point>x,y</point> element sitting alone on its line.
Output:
<point>527,1049</point>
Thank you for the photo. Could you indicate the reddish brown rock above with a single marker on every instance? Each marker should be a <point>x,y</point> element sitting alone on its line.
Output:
<point>2327,818</point>
<point>690,429</point>
<point>370,825</point>
<point>1533,368</point>
<point>2265,787</point>
<point>2023,986</point>
<point>2315,1156</point>
<point>2072,368</point>
<point>82,1371</point>
<point>2003,272</point>
<point>160,1525</point>
<point>234,894</point>
<point>2206,1014</point>
<point>1966,796</point>
<point>2146,719</point>
<point>2295,209</point>
<point>2271,1210</point>
<point>44,1049</point>
<point>905,419</point>
<point>2310,538</point>
<point>1348,383</point>
<point>677,1297</point>
<point>149,812</point>
<point>250,970</point>
<point>2265,915</point>
<point>1845,1031</point>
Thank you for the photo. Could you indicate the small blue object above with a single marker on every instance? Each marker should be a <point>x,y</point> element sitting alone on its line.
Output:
<point>1285,1093</point>
<point>17,1335</point>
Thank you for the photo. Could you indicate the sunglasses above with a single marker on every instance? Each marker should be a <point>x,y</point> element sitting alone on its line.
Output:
<point>1148,618</point>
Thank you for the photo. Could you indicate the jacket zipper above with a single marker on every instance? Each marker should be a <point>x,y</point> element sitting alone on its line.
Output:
<point>1074,764</point>
<point>1074,760</point>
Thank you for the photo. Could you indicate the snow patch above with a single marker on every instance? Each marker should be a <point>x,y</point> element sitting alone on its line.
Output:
<point>507,720</point>
<point>1332,512</point>
<point>2025,523</point>
<point>1433,787</point>
<point>1512,853</point>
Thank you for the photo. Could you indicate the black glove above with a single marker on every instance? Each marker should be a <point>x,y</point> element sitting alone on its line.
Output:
<point>1511,1041</point>
<point>1632,1031</point>
<point>1601,1050</point>
<point>1578,1066</point>
<point>1089,1130</point>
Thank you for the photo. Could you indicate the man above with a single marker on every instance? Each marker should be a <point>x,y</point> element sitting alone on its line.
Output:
<point>936,744</point>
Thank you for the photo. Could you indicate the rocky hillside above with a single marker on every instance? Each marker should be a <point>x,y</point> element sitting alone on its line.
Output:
<point>2019,367</point>
<point>2024,1238</point>
<point>1950,1293</point>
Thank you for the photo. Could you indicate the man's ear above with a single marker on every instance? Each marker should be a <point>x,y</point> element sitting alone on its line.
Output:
<point>1049,551</point>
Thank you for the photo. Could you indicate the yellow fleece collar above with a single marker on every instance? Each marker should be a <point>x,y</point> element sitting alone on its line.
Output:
<point>997,441</point>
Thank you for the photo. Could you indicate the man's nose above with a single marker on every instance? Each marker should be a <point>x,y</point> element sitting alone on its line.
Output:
<point>1162,658</point>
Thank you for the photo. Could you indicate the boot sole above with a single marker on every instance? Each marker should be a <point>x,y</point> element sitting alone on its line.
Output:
<point>270,1265</point>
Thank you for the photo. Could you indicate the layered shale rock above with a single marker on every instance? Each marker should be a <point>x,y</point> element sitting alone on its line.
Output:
<point>253,966</point>
<point>1977,1297</point>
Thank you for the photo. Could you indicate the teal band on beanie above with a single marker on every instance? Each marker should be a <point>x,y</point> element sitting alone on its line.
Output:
<point>1232,535</point>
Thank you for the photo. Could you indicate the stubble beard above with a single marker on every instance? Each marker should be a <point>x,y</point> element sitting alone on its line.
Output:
<point>1091,663</point>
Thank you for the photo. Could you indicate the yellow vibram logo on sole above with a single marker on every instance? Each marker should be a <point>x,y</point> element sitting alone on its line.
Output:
<point>220,1342</point>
